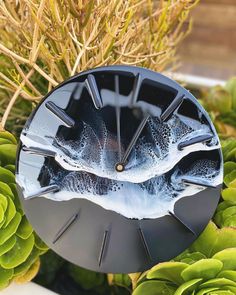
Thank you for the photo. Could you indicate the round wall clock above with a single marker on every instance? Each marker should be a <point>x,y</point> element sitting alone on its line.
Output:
<point>119,168</point>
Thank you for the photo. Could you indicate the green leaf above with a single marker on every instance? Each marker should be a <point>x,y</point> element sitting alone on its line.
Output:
<point>6,190</point>
<point>217,283</point>
<point>4,141</point>
<point>226,239</point>
<point>229,194</point>
<point>23,267</point>
<point>204,268</point>
<point>18,254</point>
<point>206,291</point>
<point>6,175</point>
<point>39,243</point>
<point>225,204</point>
<point>25,229</point>
<point>231,88</point>
<point>86,278</point>
<point>7,154</point>
<point>187,287</point>
<point>219,100</point>
<point>221,292</point>
<point>6,233</point>
<point>170,271</point>
<point>229,167</point>
<point>229,212</point>
<point>8,245</point>
<point>228,258</point>
<point>8,135</point>
<point>154,288</point>
<point>230,221</point>
<point>228,274</point>
<point>11,167</point>
<point>5,276</point>
<point>204,243</point>
<point>229,178</point>
<point>10,212</point>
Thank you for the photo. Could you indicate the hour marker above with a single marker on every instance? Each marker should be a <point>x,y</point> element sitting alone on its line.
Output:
<point>172,107</point>
<point>145,245</point>
<point>91,85</point>
<point>136,88</point>
<point>182,222</point>
<point>42,191</point>
<point>191,180</point>
<point>65,227</point>
<point>197,139</point>
<point>103,246</point>
<point>39,151</point>
<point>60,113</point>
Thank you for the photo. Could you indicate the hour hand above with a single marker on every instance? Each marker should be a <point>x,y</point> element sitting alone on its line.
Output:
<point>120,166</point>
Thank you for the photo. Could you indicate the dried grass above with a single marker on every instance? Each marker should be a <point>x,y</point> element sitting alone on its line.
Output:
<point>43,42</point>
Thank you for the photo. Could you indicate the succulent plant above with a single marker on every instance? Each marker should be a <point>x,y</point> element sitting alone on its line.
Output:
<point>226,211</point>
<point>208,267</point>
<point>19,245</point>
<point>221,103</point>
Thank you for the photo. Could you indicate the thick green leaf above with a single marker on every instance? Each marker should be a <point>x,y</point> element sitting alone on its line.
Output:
<point>25,229</point>
<point>10,212</point>
<point>18,254</point>
<point>205,241</point>
<point>229,194</point>
<point>226,239</point>
<point>154,288</point>
<point>204,268</point>
<point>6,175</point>
<point>221,292</point>
<point>7,154</point>
<point>23,267</point>
<point>229,178</point>
<point>6,190</point>
<point>230,221</point>
<point>8,135</point>
<point>231,88</point>
<point>217,283</point>
<point>228,274</point>
<point>225,204</point>
<point>39,243</point>
<point>229,212</point>
<point>229,167</point>
<point>4,141</point>
<point>228,258</point>
<point>3,202</point>
<point>5,276</point>
<point>6,233</point>
<point>187,287</point>
<point>11,167</point>
<point>190,258</point>
<point>8,245</point>
<point>206,291</point>
<point>170,271</point>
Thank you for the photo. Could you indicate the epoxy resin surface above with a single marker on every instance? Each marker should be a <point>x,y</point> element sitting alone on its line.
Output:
<point>82,129</point>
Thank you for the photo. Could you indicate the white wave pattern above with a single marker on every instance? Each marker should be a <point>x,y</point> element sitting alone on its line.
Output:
<point>143,189</point>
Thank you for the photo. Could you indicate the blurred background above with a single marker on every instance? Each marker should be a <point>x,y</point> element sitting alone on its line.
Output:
<point>210,49</point>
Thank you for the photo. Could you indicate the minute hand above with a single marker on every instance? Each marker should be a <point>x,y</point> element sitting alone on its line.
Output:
<point>134,139</point>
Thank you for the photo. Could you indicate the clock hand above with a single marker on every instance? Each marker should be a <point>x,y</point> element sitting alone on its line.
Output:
<point>118,115</point>
<point>120,166</point>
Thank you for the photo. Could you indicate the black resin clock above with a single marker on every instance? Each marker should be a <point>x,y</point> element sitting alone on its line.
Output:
<point>119,168</point>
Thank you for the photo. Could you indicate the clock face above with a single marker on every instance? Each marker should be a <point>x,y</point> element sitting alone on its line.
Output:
<point>119,168</point>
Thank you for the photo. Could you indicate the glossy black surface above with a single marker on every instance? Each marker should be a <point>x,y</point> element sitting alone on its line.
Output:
<point>80,230</point>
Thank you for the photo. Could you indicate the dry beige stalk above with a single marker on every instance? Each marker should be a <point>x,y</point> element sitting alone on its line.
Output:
<point>44,42</point>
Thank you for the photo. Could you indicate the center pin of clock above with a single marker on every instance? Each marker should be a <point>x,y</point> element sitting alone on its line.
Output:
<point>119,167</point>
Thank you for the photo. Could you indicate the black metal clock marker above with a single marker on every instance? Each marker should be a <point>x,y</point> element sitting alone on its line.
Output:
<point>88,140</point>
